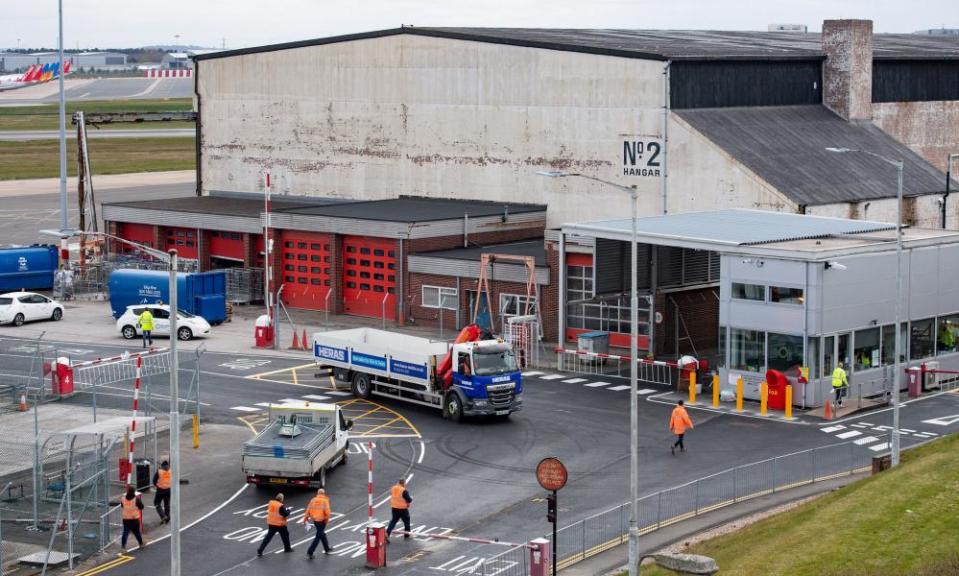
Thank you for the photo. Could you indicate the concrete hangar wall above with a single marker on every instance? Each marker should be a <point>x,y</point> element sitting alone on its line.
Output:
<point>375,117</point>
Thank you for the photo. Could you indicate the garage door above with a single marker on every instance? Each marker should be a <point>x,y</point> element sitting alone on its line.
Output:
<point>369,276</point>
<point>305,267</point>
<point>226,245</point>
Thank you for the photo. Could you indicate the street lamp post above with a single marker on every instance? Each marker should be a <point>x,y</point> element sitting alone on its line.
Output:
<point>898,164</point>
<point>633,546</point>
<point>171,259</point>
<point>63,124</point>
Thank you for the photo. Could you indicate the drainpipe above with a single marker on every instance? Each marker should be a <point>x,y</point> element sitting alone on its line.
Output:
<point>945,197</point>
<point>665,133</point>
<point>199,137</point>
<point>466,230</point>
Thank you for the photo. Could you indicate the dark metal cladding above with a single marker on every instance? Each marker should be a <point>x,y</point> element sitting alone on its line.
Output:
<point>717,84</point>
<point>915,80</point>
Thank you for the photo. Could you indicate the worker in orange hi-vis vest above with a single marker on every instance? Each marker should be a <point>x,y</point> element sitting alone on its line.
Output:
<point>318,512</point>
<point>679,421</point>
<point>276,514</point>
<point>400,501</point>
<point>131,510</point>
<point>163,481</point>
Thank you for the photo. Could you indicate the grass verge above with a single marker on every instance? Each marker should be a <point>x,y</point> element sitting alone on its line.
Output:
<point>40,158</point>
<point>46,117</point>
<point>904,521</point>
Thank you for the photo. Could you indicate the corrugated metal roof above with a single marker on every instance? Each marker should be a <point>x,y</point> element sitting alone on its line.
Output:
<point>416,209</point>
<point>729,227</point>
<point>653,44</point>
<point>786,146</point>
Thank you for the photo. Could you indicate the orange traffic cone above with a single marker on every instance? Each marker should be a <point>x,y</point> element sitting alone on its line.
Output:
<point>828,413</point>
<point>306,343</point>
<point>296,341</point>
<point>23,402</point>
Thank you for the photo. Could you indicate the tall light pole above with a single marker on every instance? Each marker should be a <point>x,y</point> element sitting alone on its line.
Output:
<point>898,364</point>
<point>633,547</point>
<point>63,125</point>
<point>171,259</point>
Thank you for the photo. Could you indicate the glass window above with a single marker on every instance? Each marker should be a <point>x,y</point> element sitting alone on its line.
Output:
<point>784,353</point>
<point>301,268</point>
<point>314,258</point>
<point>377,264</point>
<point>742,291</point>
<point>351,284</point>
<point>351,273</point>
<point>842,352</point>
<point>314,246</point>
<point>866,351</point>
<point>288,256</point>
<point>301,245</point>
<point>747,350</point>
<point>921,339</point>
<point>889,344</point>
<point>378,277</point>
<point>301,257</point>
<point>365,263</point>
<point>812,352</point>
<point>722,346</point>
<point>377,288</point>
<point>947,339</point>
<point>286,279</point>
<point>365,275</point>
<point>364,286</point>
<point>439,297</point>
<point>289,267</point>
<point>783,295</point>
<point>391,254</point>
<point>351,261</point>
<point>313,281</point>
<point>364,251</point>
<point>391,290</point>
<point>351,248</point>
<point>301,280</point>
<point>316,270</point>
<point>829,355</point>
<point>515,304</point>
<point>391,265</point>
<point>378,252</point>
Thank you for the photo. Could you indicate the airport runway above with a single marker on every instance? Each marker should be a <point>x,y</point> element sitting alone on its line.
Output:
<point>24,135</point>
<point>100,89</point>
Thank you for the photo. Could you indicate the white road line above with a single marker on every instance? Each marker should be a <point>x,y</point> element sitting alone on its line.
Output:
<point>245,409</point>
<point>860,425</point>
<point>907,430</point>
<point>422,452</point>
<point>338,393</point>
<point>597,384</point>
<point>832,429</point>
<point>574,380</point>
<point>879,447</point>
<point>618,388</point>
<point>532,373</point>
<point>645,391</point>
<point>866,440</point>
<point>316,397</point>
<point>866,424</point>
<point>552,377</point>
<point>291,400</point>
<point>850,434</point>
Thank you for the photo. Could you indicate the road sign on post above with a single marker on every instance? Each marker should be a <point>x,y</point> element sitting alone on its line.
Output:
<point>551,475</point>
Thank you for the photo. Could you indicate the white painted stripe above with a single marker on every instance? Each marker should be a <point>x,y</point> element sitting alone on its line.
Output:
<point>882,428</point>
<point>316,397</point>
<point>907,430</point>
<point>850,434</point>
<point>832,429</point>
<point>290,401</point>
<point>574,380</point>
<point>866,440</point>
<point>532,373</point>
<point>245,409</point>
<point>860,426</point>
<point>645,391</point>
<point>879,447</point>
<point>597,384</point>
<point>866,424</point>
<point>552,377</point>
<point>618,388</point>
<point>338,393</point>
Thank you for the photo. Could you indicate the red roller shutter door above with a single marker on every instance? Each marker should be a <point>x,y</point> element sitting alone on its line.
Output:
<point>228,245</point>
<point>305,265</point>
<point>139,233</point>
<point>369,276</point>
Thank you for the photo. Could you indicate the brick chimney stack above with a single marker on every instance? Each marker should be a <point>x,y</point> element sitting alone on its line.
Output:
<point>847,71</point>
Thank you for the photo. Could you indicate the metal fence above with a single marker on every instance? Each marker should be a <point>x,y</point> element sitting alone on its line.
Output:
<point>244,285</point>
<point>593,364</point>
<point>610,528</point>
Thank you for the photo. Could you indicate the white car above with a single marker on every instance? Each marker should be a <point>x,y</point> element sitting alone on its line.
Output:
<point>188,325</point>
<point>19,307</point>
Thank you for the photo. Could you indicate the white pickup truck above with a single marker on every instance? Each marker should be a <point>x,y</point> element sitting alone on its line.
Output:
<point>475,378</point>
<point>302,441</point>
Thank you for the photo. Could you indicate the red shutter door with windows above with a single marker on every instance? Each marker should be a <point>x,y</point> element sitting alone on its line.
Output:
<point>305,264</point>
<point>369,276</point>
<point>228,245</point>
<point>184,240</point>
<point>139,233</point>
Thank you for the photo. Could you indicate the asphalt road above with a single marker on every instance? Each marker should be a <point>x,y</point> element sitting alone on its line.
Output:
<point>100,89</point>
<point>474,478</point>
<point>23,216</point>
<point>25,135</point>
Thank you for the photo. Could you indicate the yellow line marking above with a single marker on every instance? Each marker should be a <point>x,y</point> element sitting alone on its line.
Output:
<point>348,402</point>
<point>295,379</point>
<point>281,370</point>
<point>377,407</point>
<point>248,425</point>
<point>371,430</point>
<point>119,560</point>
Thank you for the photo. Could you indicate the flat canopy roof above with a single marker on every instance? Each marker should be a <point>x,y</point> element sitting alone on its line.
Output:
<point>249,205</point>
<point>409,209</point>
<point>794,236</point>
<point>534,248</point>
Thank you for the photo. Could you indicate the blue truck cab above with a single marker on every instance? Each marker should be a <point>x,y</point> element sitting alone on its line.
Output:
<point>487,379</point>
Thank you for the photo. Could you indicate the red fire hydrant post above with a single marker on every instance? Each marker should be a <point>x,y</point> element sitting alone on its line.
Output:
<point>376,545</point>
<point>539,560</point>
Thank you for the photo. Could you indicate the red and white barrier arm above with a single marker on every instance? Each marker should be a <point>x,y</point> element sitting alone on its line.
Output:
<point>369,483</point>
<point>137,355</point>
<point>614,357</point>
<point>133,425</point>
<point>460,539</point>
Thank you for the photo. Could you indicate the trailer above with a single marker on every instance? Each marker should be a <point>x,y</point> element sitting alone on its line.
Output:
<point>480,378</point>
<point>301,443</point>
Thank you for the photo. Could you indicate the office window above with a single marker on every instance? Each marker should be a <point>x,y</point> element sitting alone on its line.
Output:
<point>742,291</point>
<point>747,350</point>
<point>922,340</point>
<point>784,353</point>
<point>828,355</point>
<point>947,339</point>
<point>889,344</point>
<point>515,304</point>
<point>866,353</point>
<point>812,351</point>
<point>781,295</point>
<point>439,297</point>
<point>842,351</point>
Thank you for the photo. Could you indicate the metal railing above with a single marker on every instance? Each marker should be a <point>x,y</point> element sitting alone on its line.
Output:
<point>612,365</point>
<point>609,528</point>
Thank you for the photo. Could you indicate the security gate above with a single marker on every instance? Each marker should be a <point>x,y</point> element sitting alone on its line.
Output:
<point>369,277</point>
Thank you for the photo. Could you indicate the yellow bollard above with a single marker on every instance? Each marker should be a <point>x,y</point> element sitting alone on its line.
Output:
<point>763,398</point>
<point>692,387</point>
<point>739,394</point>
<point>715,390</point>
<point>196,431</point>
<point>789,402</point>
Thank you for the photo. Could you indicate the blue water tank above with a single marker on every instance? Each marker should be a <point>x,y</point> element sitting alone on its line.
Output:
<point>28,268</point>
<point>200,293</point>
